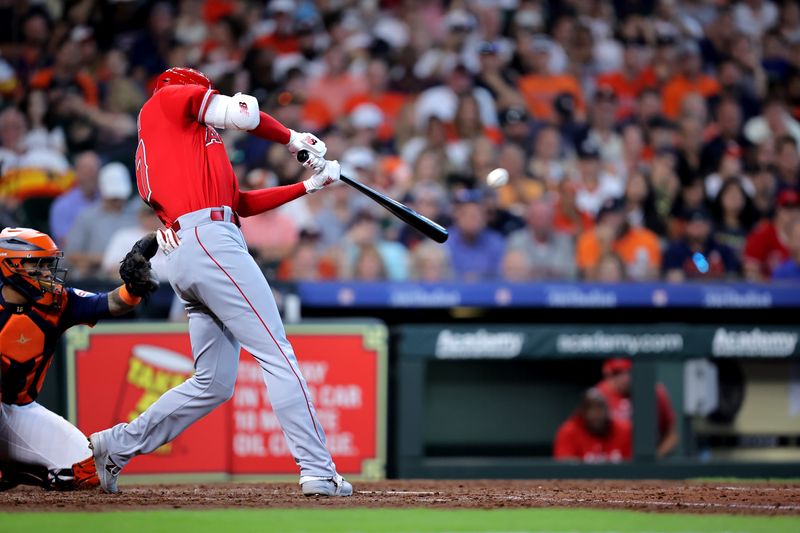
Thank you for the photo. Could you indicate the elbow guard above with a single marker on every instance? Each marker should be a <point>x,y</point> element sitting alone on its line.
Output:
<point>238,112</point>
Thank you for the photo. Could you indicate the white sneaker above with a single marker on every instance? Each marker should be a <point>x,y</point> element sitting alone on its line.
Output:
<point>326,486</point>
<point>107,471</point>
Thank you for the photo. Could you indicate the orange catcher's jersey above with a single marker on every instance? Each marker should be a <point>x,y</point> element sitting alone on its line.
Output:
<point>181,163</point>
<point>29,335</point>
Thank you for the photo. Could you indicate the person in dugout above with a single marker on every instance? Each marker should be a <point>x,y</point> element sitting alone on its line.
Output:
<point>591,435</point>
<point>38,447</point>
<point>616,388</point>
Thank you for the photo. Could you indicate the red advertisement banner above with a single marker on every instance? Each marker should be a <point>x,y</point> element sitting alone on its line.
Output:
<point>117,372</point>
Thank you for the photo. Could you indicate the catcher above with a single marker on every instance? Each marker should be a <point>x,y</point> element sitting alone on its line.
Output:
<point>38,447</point>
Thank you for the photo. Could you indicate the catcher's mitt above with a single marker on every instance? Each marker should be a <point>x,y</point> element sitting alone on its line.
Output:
<point>136,271</point>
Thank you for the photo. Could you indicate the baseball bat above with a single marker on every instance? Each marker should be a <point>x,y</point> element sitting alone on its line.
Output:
<point>422,224</point>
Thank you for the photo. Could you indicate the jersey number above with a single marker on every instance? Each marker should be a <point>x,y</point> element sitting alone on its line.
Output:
<point>142,173</point>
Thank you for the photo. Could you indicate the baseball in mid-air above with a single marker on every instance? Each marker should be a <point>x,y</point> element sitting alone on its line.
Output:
<point>497,177</point>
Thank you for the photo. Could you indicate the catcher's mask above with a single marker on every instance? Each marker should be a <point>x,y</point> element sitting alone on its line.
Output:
<point>29,263</point>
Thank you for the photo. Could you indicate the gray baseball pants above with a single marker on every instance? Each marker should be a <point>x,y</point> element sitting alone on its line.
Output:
<point>229,304</point>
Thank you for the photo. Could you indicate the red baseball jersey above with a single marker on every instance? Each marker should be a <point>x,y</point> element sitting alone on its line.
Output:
<point>181,163</point>
<point>574,441</point>
<point>621,408</point>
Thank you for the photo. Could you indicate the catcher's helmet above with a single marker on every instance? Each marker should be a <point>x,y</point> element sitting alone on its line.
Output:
<point>29,263</point>
<point>182,76</point>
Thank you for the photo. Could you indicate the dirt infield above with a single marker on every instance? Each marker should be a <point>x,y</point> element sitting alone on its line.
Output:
<point>691,497</point>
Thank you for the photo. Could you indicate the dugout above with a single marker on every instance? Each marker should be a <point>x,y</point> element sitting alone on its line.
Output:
<point>485,400</point>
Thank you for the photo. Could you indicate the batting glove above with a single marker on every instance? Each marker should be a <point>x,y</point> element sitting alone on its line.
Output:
<point>330,172</point>
<point>168,240</point>
<point>310,143</point>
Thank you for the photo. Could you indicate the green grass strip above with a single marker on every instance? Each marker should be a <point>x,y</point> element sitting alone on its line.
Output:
<point>393,520</point>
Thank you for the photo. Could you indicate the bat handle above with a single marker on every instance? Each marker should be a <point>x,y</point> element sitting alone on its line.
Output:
<point>302,156</point>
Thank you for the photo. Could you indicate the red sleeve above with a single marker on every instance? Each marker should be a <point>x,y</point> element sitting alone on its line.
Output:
<point>185,103</point>
<point>754,245</point>
<point>666,415</point>
<point>270,129</point>
<point>254,202</point>
<point>564,446</point>
<point>626,439</point>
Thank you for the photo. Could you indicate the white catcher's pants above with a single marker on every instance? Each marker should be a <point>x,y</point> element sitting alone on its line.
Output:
<point>31,434</point>
<point>230,305</point>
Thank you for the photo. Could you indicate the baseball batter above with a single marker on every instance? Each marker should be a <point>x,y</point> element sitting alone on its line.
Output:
<point>183,172</point>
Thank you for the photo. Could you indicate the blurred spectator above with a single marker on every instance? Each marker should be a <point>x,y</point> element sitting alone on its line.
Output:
<point>733,214</point>
<point>634,76</point>
<point>437,61</point>
<point>766,245</point>
<point>430,263</point>
<point>790,269</point>
<point>697,255</point>
<point>497,78</point>
<point>541,85</point>
<point>516,266</point>
<point>602,126</point>
<point>305,262</point>
<point>337,84</point>
<point>364,234</point>
<point>638,247</point>
<point>27,169</point>
<point>640,203</point>
<point>730,167</point>
<point>499,219</point>
<point>66,208</point>
<point>787,163</point>
<point>389,102</point>
<point>124,238</point>
<point>550,254</point>
<point>66,76</point>
<point>729,125</point>
<point>691,198</point>
<point>689,79</point>
<point>515,124</point>
<point>568,219</point>
<point>595,185</point>
<point>592,435</point>
<point>773,122</point>
<point>94,227</point>
<point>150,50</point>
<point>616,388</point>
<point>475,251</point>
<point>441,101</point>
<point>754,17</point>
<point>521,188</point>
<point>547,164</point>
<point>369,264</point>
<point>610,269</point>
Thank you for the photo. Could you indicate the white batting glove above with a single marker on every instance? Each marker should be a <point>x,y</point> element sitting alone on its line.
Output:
<point>330,173</point>
<point>167,240</point>
<point>312,144</point>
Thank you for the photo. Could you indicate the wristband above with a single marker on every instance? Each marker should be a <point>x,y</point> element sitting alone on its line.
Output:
<point>127,297</point>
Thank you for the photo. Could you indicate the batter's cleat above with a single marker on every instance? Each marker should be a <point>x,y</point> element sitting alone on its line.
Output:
<point>326,486</point>
<point>107,471</point>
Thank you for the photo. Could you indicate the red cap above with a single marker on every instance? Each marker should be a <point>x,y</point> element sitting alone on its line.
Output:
<point>182,76</point>
<point>788,198</point>
<point>616,366</point>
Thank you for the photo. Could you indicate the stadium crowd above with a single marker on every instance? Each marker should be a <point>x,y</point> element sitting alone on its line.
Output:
<point>645,139</point>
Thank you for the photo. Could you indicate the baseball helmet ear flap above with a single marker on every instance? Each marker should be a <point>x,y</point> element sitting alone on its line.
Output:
<point>182,76</point>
